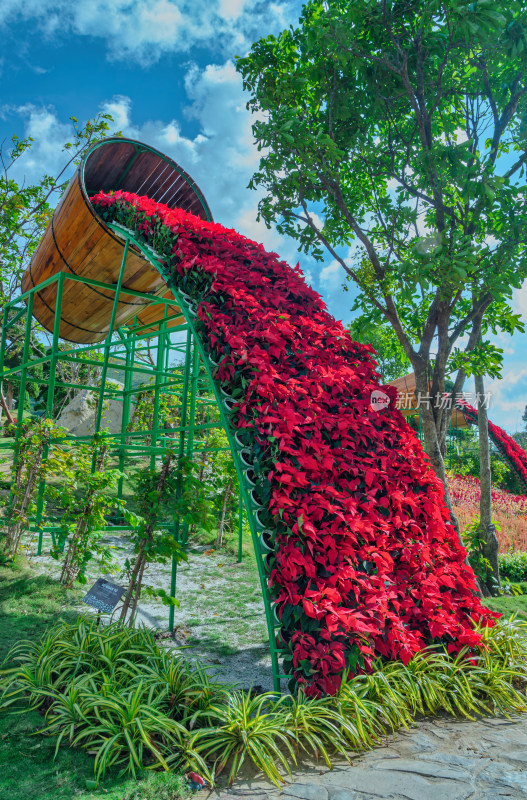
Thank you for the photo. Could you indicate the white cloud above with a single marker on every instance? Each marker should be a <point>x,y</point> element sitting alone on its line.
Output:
<point>459,137</point>
<point>318,221</point>
<point>503,391</point>
<point>247,224</point>
<point>119,107</point>
<point>230,9</point>
<point>520,301</point>
<point>145,30</point>
<point>47,155</point>
<point>331,276</point>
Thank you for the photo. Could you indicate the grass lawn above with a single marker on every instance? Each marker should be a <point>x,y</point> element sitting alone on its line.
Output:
<point>28,604</point>
<point>509,604</point>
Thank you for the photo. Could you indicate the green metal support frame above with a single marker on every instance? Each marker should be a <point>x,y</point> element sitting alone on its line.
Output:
<point>250,507</point>
<point>121,349</point>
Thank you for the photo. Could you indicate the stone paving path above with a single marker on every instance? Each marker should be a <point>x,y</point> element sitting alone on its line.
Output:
<point>437,759</point>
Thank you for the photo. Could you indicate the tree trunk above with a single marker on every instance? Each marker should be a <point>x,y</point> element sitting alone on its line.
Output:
<point>9,393</point>
<point>488,540</point>
<point>133,592</point>
<point>132,583</point>
<point>5,407</point>
<point>434,436</point>
<point>226,497</point>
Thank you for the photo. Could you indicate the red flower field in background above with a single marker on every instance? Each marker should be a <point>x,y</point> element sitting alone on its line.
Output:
<point>508,510</point>
<point>366,562</point>
<point>509,449</point>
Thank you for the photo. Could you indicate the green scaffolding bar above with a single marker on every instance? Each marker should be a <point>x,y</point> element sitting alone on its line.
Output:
<point>108,342</point>
<point>127,404</point>
<point>181,450</point>
<point>50,402</point>
<point>186,383</point>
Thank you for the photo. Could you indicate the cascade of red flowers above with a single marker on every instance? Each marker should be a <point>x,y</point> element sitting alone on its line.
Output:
<point>509,449</point>
<point>365,561</point>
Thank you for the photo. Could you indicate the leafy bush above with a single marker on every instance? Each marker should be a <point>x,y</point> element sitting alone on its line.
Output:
<point>115,693</point>
<point>513,566</point>
<point>90,683</point>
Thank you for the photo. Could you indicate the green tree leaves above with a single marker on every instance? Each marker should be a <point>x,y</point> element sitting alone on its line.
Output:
<point>403,128</point>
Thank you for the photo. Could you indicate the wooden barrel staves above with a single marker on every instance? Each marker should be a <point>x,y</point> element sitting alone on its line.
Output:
<point>78,242</point>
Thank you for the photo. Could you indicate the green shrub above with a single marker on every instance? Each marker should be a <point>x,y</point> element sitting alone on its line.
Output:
<point>99,689</point>
<point>114,692</point>
<point>513,566</point>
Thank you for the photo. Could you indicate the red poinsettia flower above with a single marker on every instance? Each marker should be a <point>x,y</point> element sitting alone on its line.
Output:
<point>366,561</point>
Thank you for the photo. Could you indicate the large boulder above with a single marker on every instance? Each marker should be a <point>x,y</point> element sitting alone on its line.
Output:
<point>78,416</point>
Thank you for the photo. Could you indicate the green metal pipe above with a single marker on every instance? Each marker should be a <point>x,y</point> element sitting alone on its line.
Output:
<point>23,374</point>
<point>108,342</point>
<point>191,420</point>
<point>240,527</point>
<point>125,419</point>
<point>181,450</point>
<point>15,319</point>
<point>160,362</point>
<point>3,346</point>
<point>50,399</point>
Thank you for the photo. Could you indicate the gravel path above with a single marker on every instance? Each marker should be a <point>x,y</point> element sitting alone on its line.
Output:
<point>220,620</point>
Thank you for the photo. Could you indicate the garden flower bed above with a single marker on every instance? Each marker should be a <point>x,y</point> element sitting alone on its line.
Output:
<point>509,510</point>
<point>365,562</point>
<point>509,449</point>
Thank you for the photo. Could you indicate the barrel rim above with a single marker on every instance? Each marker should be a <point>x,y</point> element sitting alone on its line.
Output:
<point>135,142</point>
<point>79,178</point>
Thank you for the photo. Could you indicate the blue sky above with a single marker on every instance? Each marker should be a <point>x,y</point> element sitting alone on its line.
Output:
<point>165,70</point>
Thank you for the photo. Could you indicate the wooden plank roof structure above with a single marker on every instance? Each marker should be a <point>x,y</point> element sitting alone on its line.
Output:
<point>408,400</point>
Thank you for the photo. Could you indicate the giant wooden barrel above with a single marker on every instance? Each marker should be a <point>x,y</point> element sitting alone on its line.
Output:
<point>78,242</point>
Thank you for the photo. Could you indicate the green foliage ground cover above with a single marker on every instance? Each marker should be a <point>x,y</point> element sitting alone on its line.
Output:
<point>118,673</point>
<point>513,565</point>
<point>29,605</point>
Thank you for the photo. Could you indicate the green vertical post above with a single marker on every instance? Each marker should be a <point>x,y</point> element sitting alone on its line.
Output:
<point>3,343</point>
<point>50,399</point>
<point>160,363</point>
<point>108,342</point>
<point>2,357</point>
<point>181,450</point>
<point>240,527</point>
<point>127,403</point>
<point>23,374</point>
<point>191,419</point>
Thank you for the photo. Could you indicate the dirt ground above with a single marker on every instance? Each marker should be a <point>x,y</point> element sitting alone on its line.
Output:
<point>220,620</point>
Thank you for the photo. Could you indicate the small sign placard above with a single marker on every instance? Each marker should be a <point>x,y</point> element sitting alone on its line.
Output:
<point>103,595</point>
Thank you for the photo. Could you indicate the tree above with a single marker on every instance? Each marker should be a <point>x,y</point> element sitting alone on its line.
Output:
<point>12,358</point>
<point>524,417</point>
<point>488,540</point>
<point>25,212</point>
<point>403,127</point>
<point>171,489</point>
<point>389,354</point>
